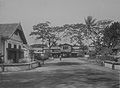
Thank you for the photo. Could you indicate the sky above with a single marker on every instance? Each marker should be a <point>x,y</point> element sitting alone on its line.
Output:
<point>58,12</point>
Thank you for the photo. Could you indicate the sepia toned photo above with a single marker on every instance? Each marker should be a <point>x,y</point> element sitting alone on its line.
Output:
<point>59,44</point>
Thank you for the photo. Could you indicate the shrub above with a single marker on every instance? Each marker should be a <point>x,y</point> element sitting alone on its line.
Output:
<point>81,54</point>
<point>105,57</point>
<point>23,61</point>
<point>43,56</point>
<point>0,60</point>
<point>92,55</point>
<point>37,57</point>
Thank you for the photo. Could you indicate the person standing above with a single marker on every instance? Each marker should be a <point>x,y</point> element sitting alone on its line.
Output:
<point>60,57</point>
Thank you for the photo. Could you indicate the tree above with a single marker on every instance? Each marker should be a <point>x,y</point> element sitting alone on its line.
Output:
<point>91,30</point>
<point>94,29</point>
<point>75,32</point>
<point>112,35</point>
<point>46,33</point>
<point>84,48</point>
<point>90,23</point>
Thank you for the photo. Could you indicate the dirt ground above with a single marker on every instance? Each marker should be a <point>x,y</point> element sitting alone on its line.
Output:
<point>68,73</point>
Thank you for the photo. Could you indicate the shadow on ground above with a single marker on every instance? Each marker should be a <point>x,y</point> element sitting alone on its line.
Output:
<point>61,64</point>
<point>66,63</point>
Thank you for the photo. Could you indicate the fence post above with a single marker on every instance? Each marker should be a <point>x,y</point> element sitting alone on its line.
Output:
<point>29,66</point>
<point>2,63</point>
<point>2,67</point>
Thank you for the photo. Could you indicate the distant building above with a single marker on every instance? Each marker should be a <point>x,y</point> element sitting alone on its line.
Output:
<point>39,48</point>
<point>91,48</point>
<point>12,39</point>
<point>66,49</point>
<point>55,51</point>
<point>75,51</point>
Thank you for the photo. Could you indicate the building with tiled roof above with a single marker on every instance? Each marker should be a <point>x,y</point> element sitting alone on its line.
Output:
<point>12,39</point>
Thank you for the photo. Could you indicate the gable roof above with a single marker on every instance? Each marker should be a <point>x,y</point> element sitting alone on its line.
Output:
<point>7,30</point>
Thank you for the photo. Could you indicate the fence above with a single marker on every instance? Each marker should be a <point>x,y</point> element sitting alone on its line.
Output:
<point>19,66</point>
<point>112,64</point>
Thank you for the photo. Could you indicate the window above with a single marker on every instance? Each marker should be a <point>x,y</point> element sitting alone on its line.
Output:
<point>53,51</point>
<point>9,45</point>
<point>16,32</point>
<point>15,46</point>
<point>19,46</point>
<point>65,47</point>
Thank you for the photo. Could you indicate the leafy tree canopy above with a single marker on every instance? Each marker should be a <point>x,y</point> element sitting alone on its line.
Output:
<point>46,33</point>
<point>91,30</point>
<point>112,35</point>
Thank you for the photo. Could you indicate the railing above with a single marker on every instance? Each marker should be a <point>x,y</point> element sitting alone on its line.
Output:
<point>112,64</point>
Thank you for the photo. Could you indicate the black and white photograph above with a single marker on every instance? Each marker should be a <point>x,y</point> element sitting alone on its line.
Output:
<point>59,43</point>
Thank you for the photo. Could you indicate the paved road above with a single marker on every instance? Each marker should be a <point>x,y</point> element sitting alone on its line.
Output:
<point>68,73</point>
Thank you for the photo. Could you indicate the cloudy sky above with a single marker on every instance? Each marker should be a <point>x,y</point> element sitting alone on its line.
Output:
<point>58,12</point>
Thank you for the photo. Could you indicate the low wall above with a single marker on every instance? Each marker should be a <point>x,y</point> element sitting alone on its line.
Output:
<point>112,65</point>
<point>19,66</point>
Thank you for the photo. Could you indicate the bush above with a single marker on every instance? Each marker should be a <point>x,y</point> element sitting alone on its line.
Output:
<point>43,56</point>
<point>23,61</point>
<point>0,61</point>
<point>92,55</point>
<point>105,57</point>
<point>81,54</point>
<point>37,56</point>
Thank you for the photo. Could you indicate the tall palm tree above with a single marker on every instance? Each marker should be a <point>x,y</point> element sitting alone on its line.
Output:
<point>90,23</point>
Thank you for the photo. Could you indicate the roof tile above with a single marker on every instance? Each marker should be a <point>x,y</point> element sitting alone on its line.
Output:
<point>7,29</point>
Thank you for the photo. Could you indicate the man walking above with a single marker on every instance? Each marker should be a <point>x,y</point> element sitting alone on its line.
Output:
<point>60,57</point>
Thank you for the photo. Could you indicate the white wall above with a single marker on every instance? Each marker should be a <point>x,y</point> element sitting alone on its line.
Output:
<point>14,40</point>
